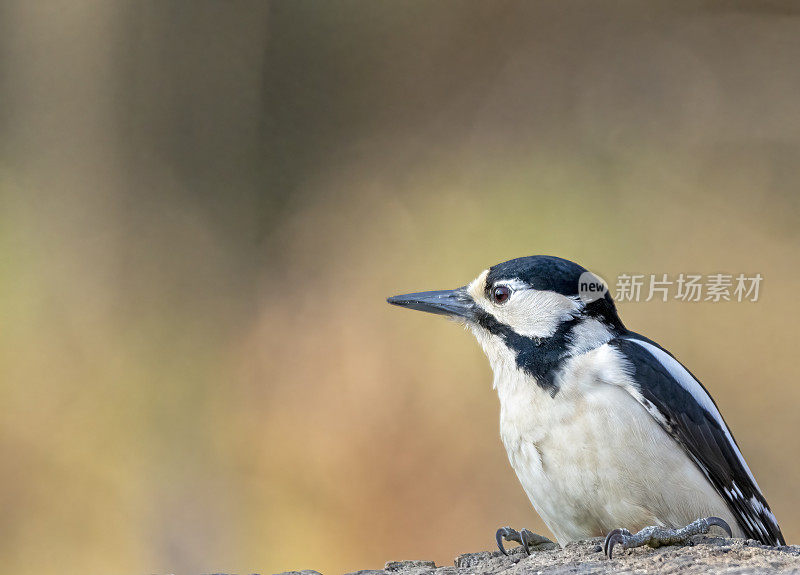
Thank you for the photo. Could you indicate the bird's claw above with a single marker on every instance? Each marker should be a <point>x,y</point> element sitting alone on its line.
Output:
<point>503,533</point>
<point>657,536</point>
<point>721,523</point>
<point>613,538</point>
<point>527,539</point>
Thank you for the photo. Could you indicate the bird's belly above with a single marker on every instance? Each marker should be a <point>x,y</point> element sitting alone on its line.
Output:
<point>596,460</point>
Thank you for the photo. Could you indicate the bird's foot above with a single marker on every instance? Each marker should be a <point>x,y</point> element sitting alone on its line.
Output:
<point>657,536</point>
<point>529,540</point>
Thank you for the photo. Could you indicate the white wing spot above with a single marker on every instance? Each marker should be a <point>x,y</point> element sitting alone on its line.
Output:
<point>761,509</point>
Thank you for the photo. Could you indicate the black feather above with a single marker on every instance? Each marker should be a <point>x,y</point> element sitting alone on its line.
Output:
<point>703,438</point>
<point>539,358</point>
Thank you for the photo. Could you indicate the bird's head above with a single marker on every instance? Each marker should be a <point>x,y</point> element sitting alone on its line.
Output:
<point>530,312</point>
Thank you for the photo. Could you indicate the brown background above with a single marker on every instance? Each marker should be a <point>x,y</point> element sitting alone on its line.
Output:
<point>204,204</point>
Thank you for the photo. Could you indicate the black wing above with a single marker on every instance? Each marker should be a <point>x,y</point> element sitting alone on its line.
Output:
<point>683,407</point>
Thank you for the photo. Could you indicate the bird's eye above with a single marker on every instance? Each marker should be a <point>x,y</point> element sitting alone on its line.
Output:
<point>500,294</point>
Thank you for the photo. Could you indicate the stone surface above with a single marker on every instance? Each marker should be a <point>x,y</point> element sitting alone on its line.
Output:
<point>401,566</point>
<point>706,555</point>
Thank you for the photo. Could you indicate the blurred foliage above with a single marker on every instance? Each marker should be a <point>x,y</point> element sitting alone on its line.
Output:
<point>203,206</point>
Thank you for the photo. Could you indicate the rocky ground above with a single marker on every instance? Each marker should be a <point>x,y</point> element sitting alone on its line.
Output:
<point>707,555</point>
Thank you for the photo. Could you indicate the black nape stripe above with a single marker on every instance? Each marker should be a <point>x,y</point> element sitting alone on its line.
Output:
<point>538,357</point>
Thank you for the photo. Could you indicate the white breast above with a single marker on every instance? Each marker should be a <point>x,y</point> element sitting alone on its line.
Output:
<point>592,459</point>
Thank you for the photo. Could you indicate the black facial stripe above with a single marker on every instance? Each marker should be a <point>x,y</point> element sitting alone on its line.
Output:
<point>538,357</point>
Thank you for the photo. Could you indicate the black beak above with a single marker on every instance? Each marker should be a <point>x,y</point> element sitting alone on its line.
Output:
<point>455,302</point>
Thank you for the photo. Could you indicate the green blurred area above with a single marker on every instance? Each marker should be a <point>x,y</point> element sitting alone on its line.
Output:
<point>203,206</point>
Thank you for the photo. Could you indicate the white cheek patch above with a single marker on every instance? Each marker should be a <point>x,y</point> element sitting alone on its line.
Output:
<point>529,312</point>
<point>534,313</point>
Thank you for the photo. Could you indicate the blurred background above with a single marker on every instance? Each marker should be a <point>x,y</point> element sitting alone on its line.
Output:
<point>204,204</point>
